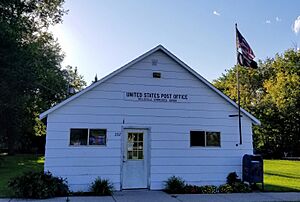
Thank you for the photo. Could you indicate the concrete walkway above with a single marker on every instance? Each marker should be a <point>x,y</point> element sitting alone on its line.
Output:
<point>159,196</point>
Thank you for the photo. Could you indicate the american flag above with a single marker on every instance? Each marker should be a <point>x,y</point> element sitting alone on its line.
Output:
<point>245,55</point>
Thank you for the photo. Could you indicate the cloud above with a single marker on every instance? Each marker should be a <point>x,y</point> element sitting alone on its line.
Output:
<point>268,21</point>
<point>277,19</point>
<point>216,13</point>
<point>296,26</point>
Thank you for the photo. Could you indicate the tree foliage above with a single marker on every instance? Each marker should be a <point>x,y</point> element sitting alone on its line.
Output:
<point>31,76</point>
<point>272,94</point>
<point>73,78</point>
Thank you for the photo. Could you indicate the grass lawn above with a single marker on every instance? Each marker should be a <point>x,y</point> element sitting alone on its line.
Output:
<point>13,166</point>
<point>282,175</point>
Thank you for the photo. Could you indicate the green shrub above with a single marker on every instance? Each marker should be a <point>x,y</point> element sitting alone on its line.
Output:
<point>236,184</point>
<point>232,178</point>
<point>38,185</point>
<point>225,188</point>
<point>209,189</point>
<point>174,185</point>
<point>101,187</point>
<point>240,187</point>
<point>192,189</point>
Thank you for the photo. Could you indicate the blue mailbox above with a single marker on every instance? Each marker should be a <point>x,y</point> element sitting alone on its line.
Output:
<point>253,171</point>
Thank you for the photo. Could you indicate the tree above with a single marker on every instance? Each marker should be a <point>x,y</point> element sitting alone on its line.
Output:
<point>272,94</point>
<point>74,79</point>
<point>31,77</point>
<point>283,93</point>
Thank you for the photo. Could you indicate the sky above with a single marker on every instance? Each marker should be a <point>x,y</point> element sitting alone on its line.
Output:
<point>100,36</point>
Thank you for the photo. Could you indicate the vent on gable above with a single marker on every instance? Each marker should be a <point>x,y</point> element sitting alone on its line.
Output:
<point>156,75</point>
<point>154,62</point>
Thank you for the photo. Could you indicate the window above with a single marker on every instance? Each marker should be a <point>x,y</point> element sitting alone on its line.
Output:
<point>205,139</point>
<point>78,136</point>
<point>197,138</point>
<point>97,137</point>
<point>213,139</point>
<point>156,75</point>
<point>87,136</point>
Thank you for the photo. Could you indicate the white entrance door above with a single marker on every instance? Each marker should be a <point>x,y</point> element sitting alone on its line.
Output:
<point>135,159</point>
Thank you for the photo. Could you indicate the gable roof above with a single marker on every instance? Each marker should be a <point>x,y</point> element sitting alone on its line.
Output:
<point>163,49</point>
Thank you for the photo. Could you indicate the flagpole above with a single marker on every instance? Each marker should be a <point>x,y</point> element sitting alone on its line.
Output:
<point>238,87</point>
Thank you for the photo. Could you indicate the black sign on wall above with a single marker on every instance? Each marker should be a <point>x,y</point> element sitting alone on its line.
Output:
<point>156,97</point>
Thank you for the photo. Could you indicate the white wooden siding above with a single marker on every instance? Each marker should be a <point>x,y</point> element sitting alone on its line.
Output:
<point>169,123</point>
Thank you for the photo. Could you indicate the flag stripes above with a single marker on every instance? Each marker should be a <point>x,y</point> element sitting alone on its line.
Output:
<point>245,54</point>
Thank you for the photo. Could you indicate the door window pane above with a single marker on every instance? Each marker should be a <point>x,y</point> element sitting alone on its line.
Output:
<point>135,136</point>
<point>140,155</point>
<point>134,155</point>
<point>78,136</point>
<point>140,146</point>
<point>140,138</point>
<point>97,137</point>
<point>129,155</point>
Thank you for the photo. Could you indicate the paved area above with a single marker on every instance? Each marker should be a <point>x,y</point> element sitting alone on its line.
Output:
<point>159,196</point>
<point>238,197</point>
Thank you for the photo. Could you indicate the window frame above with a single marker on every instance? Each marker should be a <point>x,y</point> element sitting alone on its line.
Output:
<point>88,138</point>
<point>205,139</point>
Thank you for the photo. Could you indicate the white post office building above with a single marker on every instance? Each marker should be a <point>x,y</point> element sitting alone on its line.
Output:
<point>151,119</point>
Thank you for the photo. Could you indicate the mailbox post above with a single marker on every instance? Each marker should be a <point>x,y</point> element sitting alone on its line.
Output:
<point>253,171</point>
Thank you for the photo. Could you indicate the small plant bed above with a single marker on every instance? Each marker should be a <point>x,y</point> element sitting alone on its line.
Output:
<point>176,185</point>
<point>194,189</point>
